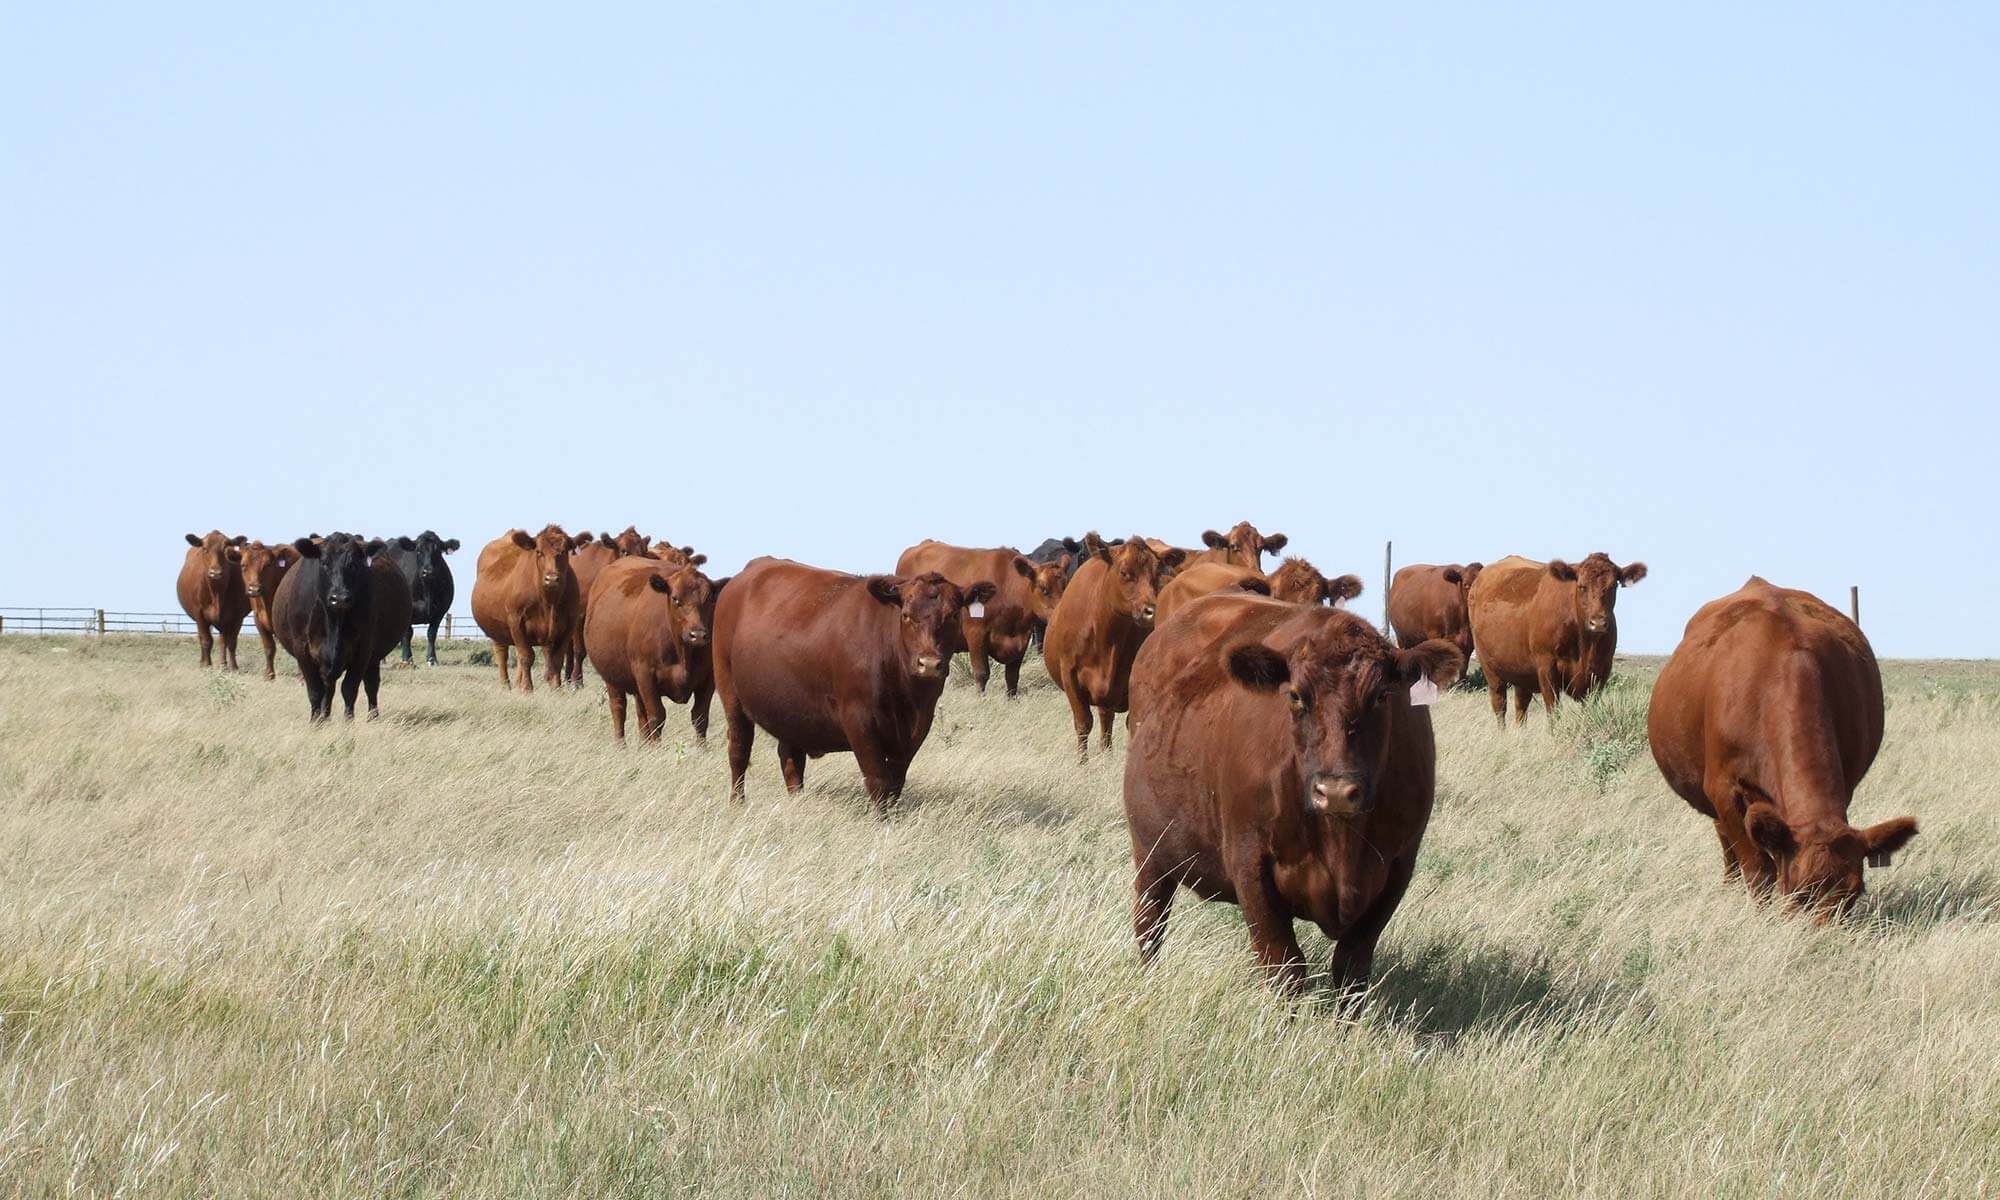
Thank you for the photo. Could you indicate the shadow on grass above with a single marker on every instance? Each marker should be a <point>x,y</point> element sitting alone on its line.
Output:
<point>1935,899</point>
<point>422,718</point>
<point>1446,992</point>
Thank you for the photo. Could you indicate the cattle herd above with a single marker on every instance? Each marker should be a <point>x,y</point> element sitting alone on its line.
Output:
<point>1281,753</point>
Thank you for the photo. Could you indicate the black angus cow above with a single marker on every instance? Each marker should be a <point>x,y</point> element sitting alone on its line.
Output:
<point>421,560</point>
<point>339,612</point>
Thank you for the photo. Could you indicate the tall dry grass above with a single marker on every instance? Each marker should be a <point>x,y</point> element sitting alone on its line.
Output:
<point>474,949</point>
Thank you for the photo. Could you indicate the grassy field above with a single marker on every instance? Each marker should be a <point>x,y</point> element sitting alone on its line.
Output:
<point>474,949</point>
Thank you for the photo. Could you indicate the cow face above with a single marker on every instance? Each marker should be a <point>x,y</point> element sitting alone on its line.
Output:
<point>219,554</point>
<point>1596,580</point>
<point>690,603</point>
<point>1244,546</point>
<point>428,549</point>
<point>630,542</point>
<point>1136,572</point>
<point>263,566</point>
<point>343,570</point>
<point>1341,688</point>
<point>1464,577</point>
<point>930,606</point>
<point>1819,867</point>
<point>1299,582</point>
<point>551,548</point>
<point>1046,583</point>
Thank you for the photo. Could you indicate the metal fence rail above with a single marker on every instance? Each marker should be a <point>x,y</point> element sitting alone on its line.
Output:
<point>98,622</point>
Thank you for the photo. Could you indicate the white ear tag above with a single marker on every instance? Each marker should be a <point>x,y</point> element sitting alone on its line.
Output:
<point>1423,693</point>
<point>1880,858</point>
<point>977,610</point>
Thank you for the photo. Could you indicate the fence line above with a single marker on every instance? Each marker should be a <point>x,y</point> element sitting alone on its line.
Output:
<point>98,622</point>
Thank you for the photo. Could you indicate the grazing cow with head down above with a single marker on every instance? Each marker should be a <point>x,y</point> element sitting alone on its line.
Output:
<point>1097,629</point>
<point>525,596</point>
<point>1428,602</point>
<point>211,593</point>
<point>339,613</point>
<point>264,569</point>
<point>421,560</point>
<point>1278,764</point>
<point>1002,628</point>
<point>1242,546</point>
<point>1546,627</point>
<point>1765,720</point>
<point>828,662</point>
<point>648,637</point>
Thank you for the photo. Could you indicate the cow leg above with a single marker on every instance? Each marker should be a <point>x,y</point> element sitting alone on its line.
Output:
<point>553,671</point>
<point>1546,678</point>
<point>652,714</point>
<point>1152,900</point>
<point>229,637</point>
<point>975,649</point>
<point>1496,695</point>
<point>315,692</point>
<point>371,679</point>
<point>1079,715</point>
<point>1354,950</point>
<point>1522,698</point>
<point>406,645</point>
<point>1013,671</point>
<point>207,643</point>
<point>1105,719</point>
<point>430,647</point>
<point>616,695</point>
<point>524,651</point>
<point>1759,873</point>
<point>1731,868</point>
<point>698,711</point>
<point>270,653</point>
<point>350,687</point>
<point>792,761</point>
<point>1271,933</point>
<point>741,735</point>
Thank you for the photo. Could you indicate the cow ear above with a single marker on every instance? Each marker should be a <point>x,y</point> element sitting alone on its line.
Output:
<point>1071,544</point>
<point>1213,539</point>
<point>403,543</point>
<point>1275,543</point>
<point>1562,570</point>
<point>886,588</point>
<point>1451,575</point>
<point>1766,828</point>
<point>1023,567</point>
<point>1258,667</point>
<point>981,592</point>
<point>1632,574</point>
<point>1436,660</point>
<point>583,538</point>
<point>374,547</point>
<point>450,545</point>
<point>306,547</point>
<point>1255,586</point>
<point>656,583</point>
<point>1064,563</point>
<point>1347,587</point>
<point>1889,836</point>
<point>695,560</point>
<point>1471,573</point>
<point>1092,543</point>
<point>242,539</point>
<point>193,540</point>
<point>522,540</point>
<point>1173,557</point>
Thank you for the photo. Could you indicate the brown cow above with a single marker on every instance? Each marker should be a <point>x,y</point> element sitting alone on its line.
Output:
<point>1105,615</point>
<point>263,569</point>
<point>648,636</point>
<point>1296,582</point>
<point>1299,582</point>
<point>592,555</point>
<point>1277,763</point>
<point>212,594</point>
<point>1242,546</point>
<point>1028,593</point>
<point>1428,602</point>
<point>525,596</point>
<point>1547,627</point>
<point>828,662</point>
<point>1765,720</point>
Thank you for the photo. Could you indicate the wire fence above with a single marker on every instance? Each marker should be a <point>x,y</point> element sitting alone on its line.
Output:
<point>103,622</point>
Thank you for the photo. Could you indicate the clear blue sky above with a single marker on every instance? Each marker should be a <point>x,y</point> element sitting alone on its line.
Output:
<point>1712,286</point>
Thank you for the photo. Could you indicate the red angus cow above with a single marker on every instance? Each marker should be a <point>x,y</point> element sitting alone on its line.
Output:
<point>1027,593</point>
<point>1104,616</point>
<point>211,593</point>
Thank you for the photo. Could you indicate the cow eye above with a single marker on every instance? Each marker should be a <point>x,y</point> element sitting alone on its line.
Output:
<point>1298,702</point>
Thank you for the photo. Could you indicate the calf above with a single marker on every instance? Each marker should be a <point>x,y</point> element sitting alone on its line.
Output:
<point>1764,721</point>
<point>1278,764</point>
<point>421,560</point>
<point>1546,627</point>
<point>648,636</point>
<point>211,593</point>
<point>264,569</point>
<point>1104,616</point>
<point>1026,596</point>
<point>525,596</point>
<point>1427,602</point>
<point>338,613</point>
<point>827,662</point>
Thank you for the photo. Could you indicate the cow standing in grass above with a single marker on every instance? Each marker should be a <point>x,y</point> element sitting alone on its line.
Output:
<point>525,596</point>
<point>1427,601</point>
<point>1097,629</point>
<point>1001,629</point>
<point>211,592</point>
<point>264,569</point>
<point>421,559</point>
<point>1546,627</point>
<point>648,637</point>
<point>339,612</point>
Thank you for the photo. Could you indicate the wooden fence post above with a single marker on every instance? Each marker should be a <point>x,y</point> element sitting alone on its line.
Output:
<point>3,624</point>
<point>1386,548</point>
<point>447,627</point>
<point>1854,604</point>
<point>100,622</point>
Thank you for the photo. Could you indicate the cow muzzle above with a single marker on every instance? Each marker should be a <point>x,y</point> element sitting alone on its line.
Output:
<point>1144,614</point>
<point>253,589</point>
<point>339,601</point>
<point>928,666</point>
<point>1338,795</point>
<point>1597,624</point>
<point>215,572</point>
<point>696,637</point>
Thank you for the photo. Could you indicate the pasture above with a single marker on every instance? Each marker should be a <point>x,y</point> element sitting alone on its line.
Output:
<point>475,949</point>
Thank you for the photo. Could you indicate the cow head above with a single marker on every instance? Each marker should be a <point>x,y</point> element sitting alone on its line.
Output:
<point>930,606</point>
<point>630,542</point>
<point>218,553</point>
<point>1243,545</point>
<point>679,556</point>
<point>1343,686</point>
<point>343,570</point>
<point>1464,577</point>
<point>690,602</point>
<point>265,565</point>
<point>1135,573</point>
<point>1596,580</point>
<point>1046,583</point>
<point>1820,864</point>
<point>551,548</point>
<point>429,550</point>
<point>1299,582</point>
